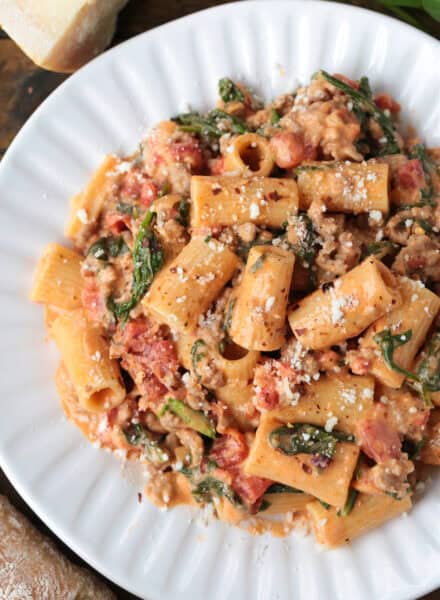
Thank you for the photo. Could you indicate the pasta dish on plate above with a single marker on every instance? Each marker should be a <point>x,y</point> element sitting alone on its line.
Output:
<point>249,307</point>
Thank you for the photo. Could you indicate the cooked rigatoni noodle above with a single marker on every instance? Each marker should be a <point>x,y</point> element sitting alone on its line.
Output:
<point>285,502</point>
<point>349,188</point>
<point>369,511</point>
<point>58,278</point>
<point>95,377</point>
<point>236,369</point>
<point>249,154</point>
<point>416,313</point>
<point>345,307</point>
<point>259,314</point>
<point>332,483</point>
<point>185,289</point>
<point>227,200</point>
<point>342,398</point>
<point>86,206</point>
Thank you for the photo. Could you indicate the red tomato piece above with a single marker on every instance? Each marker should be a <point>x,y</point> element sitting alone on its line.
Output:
<point>410,175</point>
<point>386,102</point>
<point>378,440</point>
<point>249,487</point>
<point>229,449</point>
<point>351,82</point>
<point>188,153</point>
<point>116,222</point>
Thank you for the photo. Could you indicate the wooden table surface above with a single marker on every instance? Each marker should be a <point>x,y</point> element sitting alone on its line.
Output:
<point>23,86</point>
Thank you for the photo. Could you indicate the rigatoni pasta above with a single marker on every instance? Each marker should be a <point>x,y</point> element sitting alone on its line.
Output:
<point>259,313</point>
<point>345,307</point>
<point>345,188</point>
<point>415,314</point>
<point>250,309</point>
<point>58,280</point>
<point>95,377</point>
<point>229,200</point>
<point>185,289</point>
<point>249,154</point>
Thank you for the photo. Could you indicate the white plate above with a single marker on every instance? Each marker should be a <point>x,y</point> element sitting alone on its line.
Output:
<point>80,492</point>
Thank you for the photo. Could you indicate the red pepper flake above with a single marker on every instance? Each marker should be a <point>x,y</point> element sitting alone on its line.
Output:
<point>306,468</point>
<point>139,497</point>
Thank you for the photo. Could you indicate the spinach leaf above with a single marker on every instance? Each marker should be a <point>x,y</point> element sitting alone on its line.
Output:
<point>412,448</point>
<point>280,488</point>
<point>388,343</point>
<point>108,247</point>
<point>229,91</point>
<point>349,504</point>
<point>428,371</point>
<point>164,190</point>
<point>125,208</point>
<point>326,505</point>
<point>303,438</point>
<point>183,213</point>
<point>137,435</point>
<point>265,504</point>
<point>244,247</point>
<point>148,259</point>
<point>226,325</point>
<point>428,164</point>
<point>306,247</point>
<point>209,126</point>
<point>381,249</point>
<point>363,104</point>
<point>275,116</point>
<point>197,354</point>
<point>211,487</point>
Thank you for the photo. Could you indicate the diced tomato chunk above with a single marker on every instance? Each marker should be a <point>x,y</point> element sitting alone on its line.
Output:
<point>143,348</point>
<point>410,175</point>
<point>288,149</point>
<point>351,82</point>
<point>189,153</point>
<point>229,449</point>
<point>149,192</point>
<point>379,441</point>
<point>386,102</point>
<point>136,184</point>
<point>117,222</point>
<point>249,487</point>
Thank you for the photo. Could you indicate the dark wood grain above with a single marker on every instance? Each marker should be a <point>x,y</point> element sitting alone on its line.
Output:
<point>23,86</point>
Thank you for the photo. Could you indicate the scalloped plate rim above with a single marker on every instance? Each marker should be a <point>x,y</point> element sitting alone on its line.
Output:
<point>6,462</point>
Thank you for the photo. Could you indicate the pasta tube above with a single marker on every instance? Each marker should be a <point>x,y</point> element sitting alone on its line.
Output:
<point>227,200</point>
<point>285,502</point>
<point>249,154</point>
<point>95,377</point>
<point>416,313</point>
<point>330,484</point>
<point>350,188</point>
<point>369,512</point>
<point>58,278</point>
<point>186,288</point>
<point>342,398</point>
<point>345,307</point>
<point>259,313</point>
<point>86,206</point>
